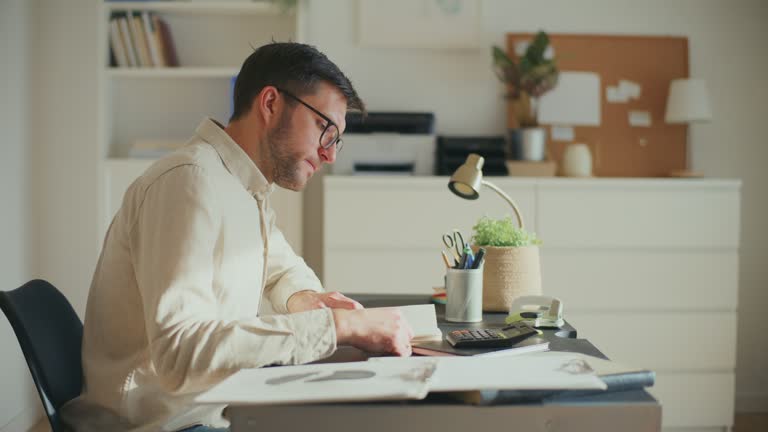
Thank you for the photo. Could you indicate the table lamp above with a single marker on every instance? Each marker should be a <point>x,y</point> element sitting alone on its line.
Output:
<point>467,180</point>
<point>688,102</point>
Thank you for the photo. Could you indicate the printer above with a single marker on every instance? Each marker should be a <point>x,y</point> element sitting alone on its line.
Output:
<point>389,143</point>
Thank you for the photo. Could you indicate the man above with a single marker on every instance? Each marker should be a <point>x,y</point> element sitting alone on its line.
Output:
<point>193,253</point>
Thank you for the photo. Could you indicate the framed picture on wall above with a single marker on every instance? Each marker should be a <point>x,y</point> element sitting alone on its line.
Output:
<point>432,24</point>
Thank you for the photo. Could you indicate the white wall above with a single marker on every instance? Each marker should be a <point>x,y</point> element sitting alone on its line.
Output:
<point>18,400</point>
<point>65,97</point>
<point>727,48</point>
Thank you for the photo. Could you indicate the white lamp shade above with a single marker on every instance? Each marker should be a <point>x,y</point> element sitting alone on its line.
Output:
<point>688,101</point>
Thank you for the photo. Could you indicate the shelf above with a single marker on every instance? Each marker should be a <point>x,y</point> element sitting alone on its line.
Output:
<point>173,72</point>
<point>202,7</point>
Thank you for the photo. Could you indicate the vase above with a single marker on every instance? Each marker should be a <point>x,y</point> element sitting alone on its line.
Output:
<point>577,161</point>
<point>508,273</point>
<point>529,144</point>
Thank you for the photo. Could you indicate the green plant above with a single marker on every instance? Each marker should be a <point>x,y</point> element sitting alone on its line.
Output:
<point>285,6</point>
<point>527,80</point>
<point>501,233</point>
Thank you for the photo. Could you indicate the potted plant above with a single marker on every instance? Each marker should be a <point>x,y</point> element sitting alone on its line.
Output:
<point>512,266</point>
<point>527,79</point>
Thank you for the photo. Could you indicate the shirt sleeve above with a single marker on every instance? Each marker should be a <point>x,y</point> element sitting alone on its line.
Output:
<point>287,273</point>
<point>191,347</point>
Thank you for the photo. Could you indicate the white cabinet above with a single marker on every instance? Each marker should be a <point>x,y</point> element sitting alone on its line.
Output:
<point>647,268</point>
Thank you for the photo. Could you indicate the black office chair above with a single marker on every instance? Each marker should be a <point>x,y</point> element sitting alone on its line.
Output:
<point>50,334</point>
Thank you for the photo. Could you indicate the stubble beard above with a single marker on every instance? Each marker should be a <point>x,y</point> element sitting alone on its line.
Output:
<point>286,165</point>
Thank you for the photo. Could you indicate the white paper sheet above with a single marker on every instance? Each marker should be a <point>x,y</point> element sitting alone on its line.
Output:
<point>561,133</point>
<point>639,118</point>
<point>614,95</point>
<point>630,89</point>
<point>525,372</point>
<point>387,378</point>
<point>575,100</point>
<point>328,382</point>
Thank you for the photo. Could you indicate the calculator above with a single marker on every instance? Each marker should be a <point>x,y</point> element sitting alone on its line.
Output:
<point>491,337</point>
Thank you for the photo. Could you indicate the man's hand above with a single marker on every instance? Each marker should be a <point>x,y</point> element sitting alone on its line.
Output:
<point>303,301</point>
<point>380,331</point>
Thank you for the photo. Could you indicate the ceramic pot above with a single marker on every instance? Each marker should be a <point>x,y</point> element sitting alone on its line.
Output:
<point>529,144</point>
<point>577,161</point>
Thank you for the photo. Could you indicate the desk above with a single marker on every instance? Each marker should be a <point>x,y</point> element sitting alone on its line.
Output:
<point>622,411</point>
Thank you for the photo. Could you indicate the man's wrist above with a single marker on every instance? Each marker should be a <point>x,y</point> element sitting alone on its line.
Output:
<point>341,324</point>
<point>295,296</point>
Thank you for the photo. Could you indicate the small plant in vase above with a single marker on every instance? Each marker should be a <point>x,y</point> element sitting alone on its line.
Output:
<point>527,79</point>
<point>512,266</point>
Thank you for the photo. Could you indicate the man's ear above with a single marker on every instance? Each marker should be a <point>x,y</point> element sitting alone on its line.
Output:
<point>266,103</point>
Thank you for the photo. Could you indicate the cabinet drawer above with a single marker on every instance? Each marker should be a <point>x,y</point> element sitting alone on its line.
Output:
<point>695,400</point>
<point>407,212</point>
<point>594,279</point>
<point>681,341</point>
<point>652,213</point>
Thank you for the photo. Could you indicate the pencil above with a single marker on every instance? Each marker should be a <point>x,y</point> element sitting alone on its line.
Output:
<point>446,259</point>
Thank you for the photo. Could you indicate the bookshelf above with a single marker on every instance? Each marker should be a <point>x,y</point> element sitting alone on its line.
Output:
<point>175,72</point>
<point>211,40</point>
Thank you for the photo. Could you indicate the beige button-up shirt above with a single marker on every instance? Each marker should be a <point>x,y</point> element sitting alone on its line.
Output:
<point>173,306</point>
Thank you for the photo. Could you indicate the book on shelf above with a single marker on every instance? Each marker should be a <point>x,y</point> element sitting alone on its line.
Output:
<point>167,45</point>
<point>141,39</point>
<point>117,45</point>
<point>127,41</point>
<point>150,34</point>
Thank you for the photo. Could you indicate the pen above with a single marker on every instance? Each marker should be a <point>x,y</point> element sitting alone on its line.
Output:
<point>479,258</point>
<point>463,262</point>
<point>446,259</point>
<point>469,255</point>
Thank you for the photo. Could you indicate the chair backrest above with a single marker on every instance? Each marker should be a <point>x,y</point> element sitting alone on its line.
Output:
<point>50,335</point>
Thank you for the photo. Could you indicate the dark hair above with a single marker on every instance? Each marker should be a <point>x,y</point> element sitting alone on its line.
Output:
<point>295,67</point>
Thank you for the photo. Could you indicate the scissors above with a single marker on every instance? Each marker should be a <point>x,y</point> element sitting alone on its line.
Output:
<point>455,241</point>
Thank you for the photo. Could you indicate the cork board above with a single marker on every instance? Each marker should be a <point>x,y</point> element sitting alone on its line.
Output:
<point>618,148</point>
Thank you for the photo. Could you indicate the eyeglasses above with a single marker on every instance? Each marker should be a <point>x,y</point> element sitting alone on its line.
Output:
<point>330,135</point>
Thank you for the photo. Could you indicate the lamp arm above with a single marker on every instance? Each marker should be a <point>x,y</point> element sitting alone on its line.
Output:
<point>507,199</point>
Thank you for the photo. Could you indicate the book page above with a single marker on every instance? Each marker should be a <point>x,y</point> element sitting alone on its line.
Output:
<point>423,321</point>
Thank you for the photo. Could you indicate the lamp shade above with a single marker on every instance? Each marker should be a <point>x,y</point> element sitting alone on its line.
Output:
<point>688,101</point>
<point>467,179</point>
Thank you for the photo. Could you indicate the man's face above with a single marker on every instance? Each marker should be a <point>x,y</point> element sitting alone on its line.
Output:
<point>294,142</point>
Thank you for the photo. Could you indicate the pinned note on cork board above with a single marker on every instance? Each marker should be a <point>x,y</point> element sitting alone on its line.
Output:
<point>632,139</point>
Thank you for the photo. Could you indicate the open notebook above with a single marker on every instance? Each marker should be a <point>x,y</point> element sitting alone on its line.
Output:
<point>423,321</point>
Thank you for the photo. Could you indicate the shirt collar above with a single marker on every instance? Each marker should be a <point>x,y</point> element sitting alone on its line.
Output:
<point>234,157</point>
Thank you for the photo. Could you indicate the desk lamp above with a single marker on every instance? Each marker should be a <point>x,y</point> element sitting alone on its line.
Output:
<point>468,178</point>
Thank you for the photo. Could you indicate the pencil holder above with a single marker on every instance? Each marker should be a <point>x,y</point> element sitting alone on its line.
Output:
<point>464,292</point>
